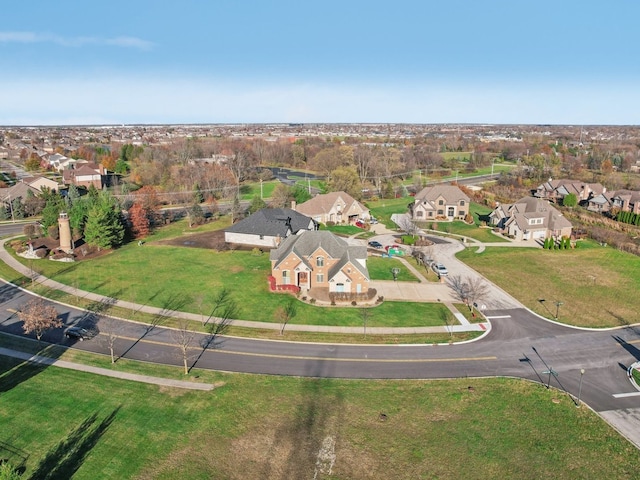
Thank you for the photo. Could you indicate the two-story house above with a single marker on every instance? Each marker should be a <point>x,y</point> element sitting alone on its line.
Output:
<point>439,202</point>
<point>530,219</point>
<point>320,260</point>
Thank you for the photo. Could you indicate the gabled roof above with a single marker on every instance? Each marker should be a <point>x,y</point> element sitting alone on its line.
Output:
<point>530,207</point>
<point>19,190</point>
<point>321,204</point>
<point>273,222</point>
<point>450,193</point>
<point>308,243</point>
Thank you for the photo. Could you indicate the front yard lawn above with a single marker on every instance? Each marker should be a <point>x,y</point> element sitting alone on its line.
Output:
<point>598,286</point>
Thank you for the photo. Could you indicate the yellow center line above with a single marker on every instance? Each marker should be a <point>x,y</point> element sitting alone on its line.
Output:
<point>328,359</point>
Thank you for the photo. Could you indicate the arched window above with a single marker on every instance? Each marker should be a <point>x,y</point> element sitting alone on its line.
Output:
<point>319,261</point>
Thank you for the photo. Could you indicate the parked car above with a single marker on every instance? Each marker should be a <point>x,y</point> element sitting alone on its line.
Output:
<point>360,224</point>
<point>374,244</point>
<point>440,269</point>
<point>78,333</point>
<point>373,220</point>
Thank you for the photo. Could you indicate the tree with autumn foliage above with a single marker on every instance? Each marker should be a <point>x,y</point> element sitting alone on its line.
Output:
<point>38,317</point>
<point>139,221</point>
<point>148,199</point>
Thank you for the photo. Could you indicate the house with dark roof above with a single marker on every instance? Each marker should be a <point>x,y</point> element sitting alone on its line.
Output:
<point>336,207</point>
<point>268,227</point>
<point>321,261</point>
<point>439,202</point>
<point>530,219</point>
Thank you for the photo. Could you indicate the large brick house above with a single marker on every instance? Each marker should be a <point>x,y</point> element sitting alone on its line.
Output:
<point>439,202</point>
<point>320,260</point>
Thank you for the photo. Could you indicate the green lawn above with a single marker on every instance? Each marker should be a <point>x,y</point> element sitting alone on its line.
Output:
<point>187,279</point>
<point>598,287</point>
<point>380,268</point>
<point>383,209</point>
<point>75,424</point>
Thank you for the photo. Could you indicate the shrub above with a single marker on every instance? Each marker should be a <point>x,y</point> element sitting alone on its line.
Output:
<point>53,232</point>
<point>354,303</point>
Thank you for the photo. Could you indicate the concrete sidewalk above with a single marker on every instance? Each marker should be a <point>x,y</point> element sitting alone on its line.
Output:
<point>166,382</point>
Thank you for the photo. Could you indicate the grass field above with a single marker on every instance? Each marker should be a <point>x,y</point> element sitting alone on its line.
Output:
<point>67,423</point>
<point>148,276</point>
<point>598,287</point>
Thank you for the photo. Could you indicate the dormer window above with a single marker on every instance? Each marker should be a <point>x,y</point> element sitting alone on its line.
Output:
<point>440,202</point>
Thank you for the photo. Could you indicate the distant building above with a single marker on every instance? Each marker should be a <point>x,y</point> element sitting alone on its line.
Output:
<point>336,207</point>
<point>440,202</point>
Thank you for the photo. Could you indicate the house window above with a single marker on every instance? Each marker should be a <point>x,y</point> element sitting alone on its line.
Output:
<point>286,279</point>
<point>462,203</point>
<point>319,261</point>
<point>440,212</point>
<point>535,221</point>
<point>462,213</point>
<point>450,212</point>
<point>440,202</point>
<point>419,213</point>
<point>320,278</point>
<point>431,214</point>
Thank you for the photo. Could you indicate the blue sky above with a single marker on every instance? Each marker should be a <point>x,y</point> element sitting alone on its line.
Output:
<point>245,61</point>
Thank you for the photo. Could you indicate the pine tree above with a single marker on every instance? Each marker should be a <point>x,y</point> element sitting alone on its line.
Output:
<point>104,227</point>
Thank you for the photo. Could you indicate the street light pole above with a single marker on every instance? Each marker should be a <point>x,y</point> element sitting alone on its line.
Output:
<point>580,387</point>
<point>558,308</point>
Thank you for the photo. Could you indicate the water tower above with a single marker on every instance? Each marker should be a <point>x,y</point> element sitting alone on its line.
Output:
<point>66,244</point>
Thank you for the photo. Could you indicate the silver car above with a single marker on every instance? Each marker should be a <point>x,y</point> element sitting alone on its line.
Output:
<point>440,269</point>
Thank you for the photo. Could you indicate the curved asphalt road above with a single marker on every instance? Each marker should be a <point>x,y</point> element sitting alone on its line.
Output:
<point>519,344</point>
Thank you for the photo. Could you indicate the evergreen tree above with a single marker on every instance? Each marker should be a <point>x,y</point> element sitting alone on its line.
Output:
<point>198,196</point>
<point>256,204</point>
<point>104,228</point>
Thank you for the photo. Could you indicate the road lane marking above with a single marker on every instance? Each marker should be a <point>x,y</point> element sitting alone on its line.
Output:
<point>623,395</point>
<point>498,316</point>
<point>301,357</point>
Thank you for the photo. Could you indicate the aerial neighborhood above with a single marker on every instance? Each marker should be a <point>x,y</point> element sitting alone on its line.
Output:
<point>332,252</point>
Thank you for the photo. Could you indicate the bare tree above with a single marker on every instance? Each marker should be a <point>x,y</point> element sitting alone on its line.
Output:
<point>365,314</point>
<point>111,330</point>
<point>468,289</point>
<point>285,313</point>
<point>38,317</point>
<point>184,339</point>
<point>407,225</point>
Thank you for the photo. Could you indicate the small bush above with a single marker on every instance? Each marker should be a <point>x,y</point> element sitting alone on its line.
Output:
<point>354,303</point>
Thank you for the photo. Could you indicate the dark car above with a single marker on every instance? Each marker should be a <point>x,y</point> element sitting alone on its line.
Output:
<point>79,333</point>
<point>374,244</point>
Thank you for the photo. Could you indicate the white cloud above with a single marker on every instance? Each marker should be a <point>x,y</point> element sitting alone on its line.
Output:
<point>33,37</point>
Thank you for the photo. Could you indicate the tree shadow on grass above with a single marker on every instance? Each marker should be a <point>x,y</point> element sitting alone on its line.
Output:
<point>309,435</point>
<point>14,371</point>
<point>64,460</point>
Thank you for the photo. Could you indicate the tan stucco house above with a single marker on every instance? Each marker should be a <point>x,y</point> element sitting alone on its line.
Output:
<point>336,207</point>
<point>439,202</point>
<point>530,219</point>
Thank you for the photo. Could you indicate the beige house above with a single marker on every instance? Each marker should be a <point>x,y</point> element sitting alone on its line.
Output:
<point>530,219</point>
<point>556,190</point>
<point>39,183</point>
<point>320,260</point>
<point>336,207</point>
<point>439,202</point>
<point>85,175</point>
